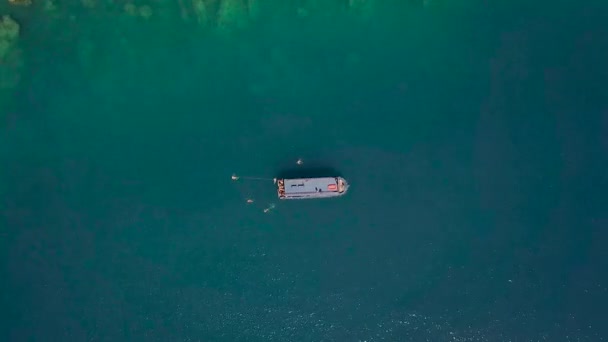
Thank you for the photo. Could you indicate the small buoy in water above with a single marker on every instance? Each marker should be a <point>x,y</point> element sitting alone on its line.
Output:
<point>300,162</point>
<point>235,177</point>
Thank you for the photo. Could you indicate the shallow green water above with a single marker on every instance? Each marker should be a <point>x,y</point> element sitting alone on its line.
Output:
<point>473,137</point>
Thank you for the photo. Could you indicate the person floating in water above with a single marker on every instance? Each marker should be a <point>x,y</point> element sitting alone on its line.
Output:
<point>269,208</point>
<point>300,162</point>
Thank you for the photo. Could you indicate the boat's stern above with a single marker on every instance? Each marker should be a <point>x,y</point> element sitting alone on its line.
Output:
<point>281,188</point>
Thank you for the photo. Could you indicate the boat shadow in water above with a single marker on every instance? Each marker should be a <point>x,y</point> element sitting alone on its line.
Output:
<point>308,172</point>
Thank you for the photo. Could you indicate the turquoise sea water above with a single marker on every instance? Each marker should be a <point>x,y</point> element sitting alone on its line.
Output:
<point>474,137</point>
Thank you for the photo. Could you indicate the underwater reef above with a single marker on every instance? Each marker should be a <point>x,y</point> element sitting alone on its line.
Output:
<point>82,29</point>
<point>10,54</point>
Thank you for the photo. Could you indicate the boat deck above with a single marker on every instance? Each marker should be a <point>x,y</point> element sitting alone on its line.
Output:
<point>311,187</point>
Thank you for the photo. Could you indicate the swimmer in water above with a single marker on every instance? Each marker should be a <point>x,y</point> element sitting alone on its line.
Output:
<point>235,177</point>
<point>249,200</point>
<point>269,208</point>
<point>300,162</point>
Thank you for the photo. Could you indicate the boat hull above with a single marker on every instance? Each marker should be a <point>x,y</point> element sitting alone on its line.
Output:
<point>311,188</point>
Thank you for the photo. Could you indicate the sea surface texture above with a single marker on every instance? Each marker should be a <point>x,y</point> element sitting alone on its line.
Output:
<point>474,135</point>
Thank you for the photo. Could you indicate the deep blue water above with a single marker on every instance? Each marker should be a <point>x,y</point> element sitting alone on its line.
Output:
<point>474,137</point>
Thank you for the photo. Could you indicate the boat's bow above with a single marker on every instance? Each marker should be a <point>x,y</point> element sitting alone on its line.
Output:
<point>342,185</point>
